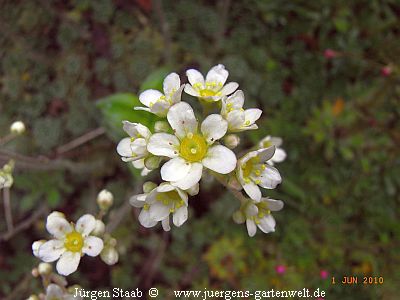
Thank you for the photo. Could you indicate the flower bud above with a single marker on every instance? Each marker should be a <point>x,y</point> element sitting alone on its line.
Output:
<point>239,217</point>
<point>231,141</point>
<point>386,71</point>
<point>105,199</point>
<point>152,162</point>
<point>33,297</point>
<point>329,53</point>
<point>35,247</point>
<point>17,127</point>
<point>99,228</point>
<point>45,269</point>
<point>161,126</point>
<point>148,186</point>
<point>35,272</point>
<point>109,255</point>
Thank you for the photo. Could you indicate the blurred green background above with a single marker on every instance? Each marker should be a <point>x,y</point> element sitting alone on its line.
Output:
<point>337,111</point>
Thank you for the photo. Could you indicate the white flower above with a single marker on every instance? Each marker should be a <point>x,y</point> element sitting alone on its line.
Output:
<point>160,202</point>
<point>189,149</point>
<point>259,215</point>
<point>212,88</point>
<point>253,172</point>
<point>134,147</point>
<point>55,292</point>
<point>159,103</point>
<point>70,243</point>
<point>18,127</point>
<point>6,178</point>
<point>238,118</point>
<point>280,154</point>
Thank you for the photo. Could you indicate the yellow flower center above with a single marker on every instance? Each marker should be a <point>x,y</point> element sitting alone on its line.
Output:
<point>170,198</point>
<point>193,147</point>
<point>73,241</point>
<point>267,144</point>
<point>209,90</point>
<point>252,166</point>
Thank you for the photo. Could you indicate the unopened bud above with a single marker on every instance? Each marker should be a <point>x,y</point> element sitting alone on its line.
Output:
<point>45,269</point>
<point>33,297</point>
<point>99,228</point>
<point>386,71</point>
<point>148,186</point>
<point>231,141</point>
<point>329,53</point>
<point>152,162</point>
<point>105,199</point>
<point>35,247</point>
<point>239,217</point>
<point>17,127</point>
<point>109,255</point>
<point>161,126</point>
<point>35,272</point>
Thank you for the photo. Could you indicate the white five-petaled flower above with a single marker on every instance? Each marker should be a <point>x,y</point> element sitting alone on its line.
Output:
<point>70,243</point>
<point>280,154</point>
<point>238,118</point>
<point>159,103</point>
<point>55,292</point>
<point>162,201</point>
<point>213,88</point>
<point>259,215</point>
<point>252,171</point>
<point>189,149</point>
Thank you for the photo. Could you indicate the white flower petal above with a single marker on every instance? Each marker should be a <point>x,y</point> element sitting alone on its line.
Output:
<point>220,159</point>
<point>182,119</point>
<point>191,91</point>
<point>165,224</point>
<point>136,129</point>
<point>138,200</point>
<point>35,247</point>
<point>145,220</point>
<point>163,144</point>
<point>266,154</point>
<point>158,211</point>
<point>270,178</point>
<point>267,224</point>
<point>273,205</point>
<point>177,96</point>
<point>229,88</point>
<point>171,83</point>
<point>251,227</point>
<point>236,100</point>
<point>93,246</point>
<point>68,263</point>
<point>51,250</point>
<point>217,74</point>
<point>149,97</point>
<point>192,177</point>
<point>180,216</point>
<point>213,128</point>
<point>252,190</point>
<point>138,164</point>
<point>142,108</point>
<point>175,169</point>
<point>251,115</point>
<point>160,108</point>
<point>276,141</point>
<point>58,226</point>
<point>279,156</point>
<point>53,291</point>
<point>85,224</point>
<point>194,77</point>
<point>165,187</point>
<point>124,147</point>
<point>194,190</point>
<point>235,120</point>
<point>251,210</point>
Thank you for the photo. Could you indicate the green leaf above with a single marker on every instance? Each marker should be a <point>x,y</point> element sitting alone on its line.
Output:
<point>155,80</point>
<point>119,107</point>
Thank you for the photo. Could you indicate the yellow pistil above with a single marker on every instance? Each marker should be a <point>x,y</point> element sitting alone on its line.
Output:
<point>73,241</point>
<point>146,207</point>
<point>172,199</point>
<point>193,147</point>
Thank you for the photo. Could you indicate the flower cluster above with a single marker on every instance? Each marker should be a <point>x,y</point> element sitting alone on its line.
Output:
<point>186,147</point>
